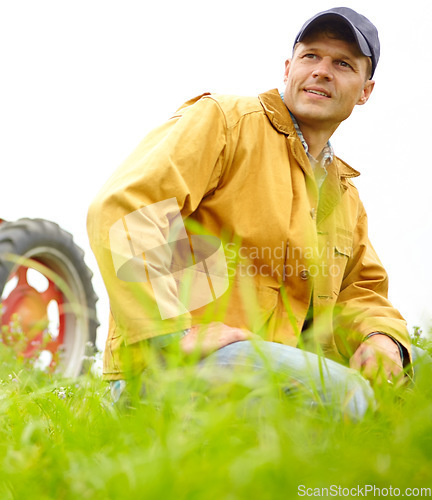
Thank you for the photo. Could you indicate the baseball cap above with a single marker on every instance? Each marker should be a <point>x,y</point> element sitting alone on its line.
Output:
<point>363,30</point>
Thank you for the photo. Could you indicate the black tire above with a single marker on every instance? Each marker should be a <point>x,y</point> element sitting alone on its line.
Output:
<point>48,244</point>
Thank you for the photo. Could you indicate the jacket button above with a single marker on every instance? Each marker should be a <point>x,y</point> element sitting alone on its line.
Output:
<point>313,213</point>
<point>304,275</point>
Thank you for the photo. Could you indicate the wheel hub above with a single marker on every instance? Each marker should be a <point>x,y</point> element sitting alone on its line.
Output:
<point>28,307</point>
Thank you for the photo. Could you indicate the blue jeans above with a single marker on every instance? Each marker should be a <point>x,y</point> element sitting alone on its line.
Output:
<point>321,380</point>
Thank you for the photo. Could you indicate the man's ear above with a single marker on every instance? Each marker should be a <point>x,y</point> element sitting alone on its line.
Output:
<point>366,92</point>
<point>287,66</point>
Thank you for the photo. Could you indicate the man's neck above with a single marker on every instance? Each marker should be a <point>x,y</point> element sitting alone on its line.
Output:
<point>316,139</point>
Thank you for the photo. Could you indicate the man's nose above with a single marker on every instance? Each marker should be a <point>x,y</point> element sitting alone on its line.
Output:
<point>324,69</point>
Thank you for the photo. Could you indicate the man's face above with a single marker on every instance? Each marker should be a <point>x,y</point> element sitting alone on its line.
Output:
<point>324,80</point>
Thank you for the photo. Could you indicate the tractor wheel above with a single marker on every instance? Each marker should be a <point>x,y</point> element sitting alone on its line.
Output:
<point>48,305</point>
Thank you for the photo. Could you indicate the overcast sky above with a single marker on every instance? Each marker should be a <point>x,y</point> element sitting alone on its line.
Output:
<point>83,82</point>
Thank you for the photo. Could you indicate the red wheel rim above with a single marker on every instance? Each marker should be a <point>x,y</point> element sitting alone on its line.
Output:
<point>29,307</point>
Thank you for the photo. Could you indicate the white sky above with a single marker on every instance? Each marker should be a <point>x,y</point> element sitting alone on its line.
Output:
<point>83,81</point>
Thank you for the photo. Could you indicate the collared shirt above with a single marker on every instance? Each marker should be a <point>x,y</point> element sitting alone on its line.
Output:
<point>325,158</point>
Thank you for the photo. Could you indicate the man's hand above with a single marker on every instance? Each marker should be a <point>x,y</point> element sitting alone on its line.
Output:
<point>209,338</point>
<point>378,359</point>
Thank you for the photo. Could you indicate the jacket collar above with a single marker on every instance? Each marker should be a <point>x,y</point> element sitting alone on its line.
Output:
<point>280,118</point>
<point>277,112</point>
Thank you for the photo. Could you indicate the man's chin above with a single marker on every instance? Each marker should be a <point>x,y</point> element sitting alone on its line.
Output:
<point>311,115</point>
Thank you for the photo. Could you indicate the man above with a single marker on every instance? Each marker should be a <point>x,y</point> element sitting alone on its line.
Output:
<point>260,175</point>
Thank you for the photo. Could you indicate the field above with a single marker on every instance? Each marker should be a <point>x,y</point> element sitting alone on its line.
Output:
<point>243,438</point>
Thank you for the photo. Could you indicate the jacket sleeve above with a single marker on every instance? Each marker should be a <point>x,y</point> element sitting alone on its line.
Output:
<point>178,164</point>
<point>363,306</point>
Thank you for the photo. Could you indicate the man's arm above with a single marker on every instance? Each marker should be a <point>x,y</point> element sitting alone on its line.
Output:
<point>181,160</point>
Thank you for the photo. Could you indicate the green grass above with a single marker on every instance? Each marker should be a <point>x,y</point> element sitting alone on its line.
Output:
<point>243,438</point>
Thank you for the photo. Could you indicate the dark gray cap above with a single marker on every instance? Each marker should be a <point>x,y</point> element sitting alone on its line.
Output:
<point>363,30</point>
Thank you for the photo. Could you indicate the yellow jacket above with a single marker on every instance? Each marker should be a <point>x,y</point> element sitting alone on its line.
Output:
<point>238,169</point>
